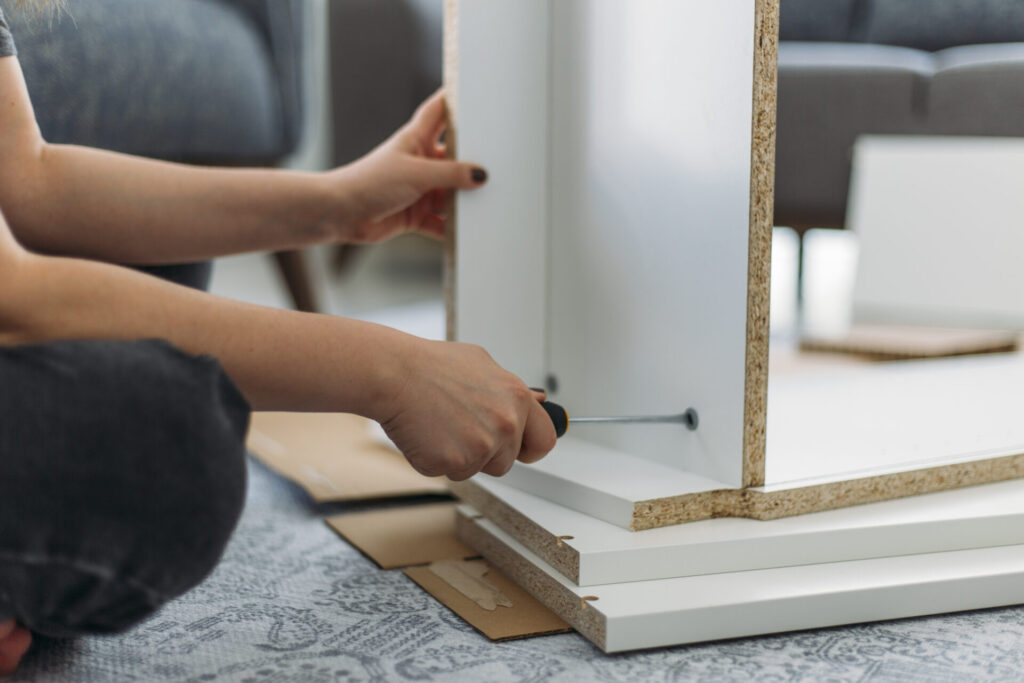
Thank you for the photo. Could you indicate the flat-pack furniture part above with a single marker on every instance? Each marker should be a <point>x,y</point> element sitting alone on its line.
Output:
<point>620,255</point>
<point>645,614</point>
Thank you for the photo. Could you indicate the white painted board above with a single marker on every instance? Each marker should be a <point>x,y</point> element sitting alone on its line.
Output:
<point>939,225</point>
<point>501,118</point>
<point>975,517</point>
<point>832,425</point>
<point>647,614</point>
<point>609,248</point>
<point>869,420</point>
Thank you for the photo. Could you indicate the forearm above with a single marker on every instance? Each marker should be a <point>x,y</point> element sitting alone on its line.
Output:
<point>281,360</point>
<point>113,207</point>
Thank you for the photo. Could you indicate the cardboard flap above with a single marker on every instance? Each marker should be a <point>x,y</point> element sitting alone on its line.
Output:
<point>334,457</point>
<point>515,614</point>
<point>405,536</point>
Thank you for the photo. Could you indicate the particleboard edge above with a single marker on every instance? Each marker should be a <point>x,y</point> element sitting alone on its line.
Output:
<point>762,202</point>
<point>588,620</point>
<point>552,549</point>
<point>757,504</point>
<point>451,90</point>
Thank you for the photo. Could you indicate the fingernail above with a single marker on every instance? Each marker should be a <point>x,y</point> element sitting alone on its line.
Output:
<point>479,175</point>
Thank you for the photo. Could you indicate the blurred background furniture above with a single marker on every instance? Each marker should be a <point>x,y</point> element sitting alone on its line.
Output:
<point>385,59</point>
<point>846,68</point>
<point>849,67</point>
<point>217,82</point>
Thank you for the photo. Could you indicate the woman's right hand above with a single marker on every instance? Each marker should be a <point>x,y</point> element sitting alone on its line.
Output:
<point>458,413</point>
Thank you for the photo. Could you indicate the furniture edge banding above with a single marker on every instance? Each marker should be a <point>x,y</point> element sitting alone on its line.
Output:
<point>555,550</point>
<point>451,90</point>
<point>765,505</point>
<point>577,612</point>
<point>762,201</point>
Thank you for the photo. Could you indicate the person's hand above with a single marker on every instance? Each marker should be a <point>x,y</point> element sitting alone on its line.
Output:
<point>400,186</point>
<point>14,643</point>
<point>459,413</point>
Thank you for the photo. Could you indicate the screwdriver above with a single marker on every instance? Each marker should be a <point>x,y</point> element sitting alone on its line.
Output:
<point>560,417</point>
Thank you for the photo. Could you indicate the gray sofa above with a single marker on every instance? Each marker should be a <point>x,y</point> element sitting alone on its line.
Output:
<point>198,81</point>
<point>190,80</point>
<point>849,67</point>
<point>846,67</point>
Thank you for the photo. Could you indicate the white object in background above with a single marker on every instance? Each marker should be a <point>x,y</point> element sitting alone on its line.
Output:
<point>424,319</point>
<point>609,248</point>
<point>830,266</point>
<point>941,228</point>
<point>785,266</point>
<point>645,614</point>
<point>603,553</point>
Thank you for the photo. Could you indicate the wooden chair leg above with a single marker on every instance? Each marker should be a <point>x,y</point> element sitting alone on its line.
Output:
<point>295,272</point>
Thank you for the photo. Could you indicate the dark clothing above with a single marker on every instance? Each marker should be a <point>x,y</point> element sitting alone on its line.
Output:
<point>122,475</point>
<point>195,275</point>
<point>6,41</point>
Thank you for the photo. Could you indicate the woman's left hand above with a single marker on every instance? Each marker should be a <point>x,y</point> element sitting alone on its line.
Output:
<point>401,186</point>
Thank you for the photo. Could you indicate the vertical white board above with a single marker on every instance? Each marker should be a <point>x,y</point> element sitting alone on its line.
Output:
<point>634,172</point>
<point>940,230</point>
<point>501,118</point>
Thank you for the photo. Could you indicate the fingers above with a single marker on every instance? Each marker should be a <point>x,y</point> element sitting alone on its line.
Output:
<point>429,121</point>
<point>539,436</point>
<point>432,225</point>
<point>438,174</point>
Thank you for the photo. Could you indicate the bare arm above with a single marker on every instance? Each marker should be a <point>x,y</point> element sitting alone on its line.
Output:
<point>69,200</point>
<point>449,407</point>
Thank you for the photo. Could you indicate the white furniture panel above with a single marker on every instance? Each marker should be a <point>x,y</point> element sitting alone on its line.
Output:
<point>610,247</point>
<point>939,224</point>
<point>500,105</point>
<point>647,614</point>
<point>977,517</point>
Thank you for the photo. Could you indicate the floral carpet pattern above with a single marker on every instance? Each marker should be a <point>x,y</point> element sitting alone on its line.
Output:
<point>293,602</point>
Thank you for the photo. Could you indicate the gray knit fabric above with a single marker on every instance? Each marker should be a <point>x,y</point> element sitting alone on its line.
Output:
<point>6,41</point>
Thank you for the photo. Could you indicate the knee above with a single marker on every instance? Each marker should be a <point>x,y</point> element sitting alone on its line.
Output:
<point>128,478</point>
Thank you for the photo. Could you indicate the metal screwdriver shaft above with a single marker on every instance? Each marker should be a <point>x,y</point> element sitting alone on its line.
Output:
<point>560,417</point>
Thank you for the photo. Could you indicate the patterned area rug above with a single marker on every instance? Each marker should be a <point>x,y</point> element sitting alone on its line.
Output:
<point>293,602</point>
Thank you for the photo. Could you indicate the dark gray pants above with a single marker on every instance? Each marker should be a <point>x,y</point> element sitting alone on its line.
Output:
<point>122,475</point>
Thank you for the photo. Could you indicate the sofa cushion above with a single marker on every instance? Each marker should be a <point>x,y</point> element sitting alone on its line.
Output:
<point>978,91</point>
<point>824,20</point>
<point>829,93</point>
<point>189,80</point>
<point>937,24</point>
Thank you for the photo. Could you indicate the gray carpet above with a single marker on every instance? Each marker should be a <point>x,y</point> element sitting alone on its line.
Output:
<point>292,602</point>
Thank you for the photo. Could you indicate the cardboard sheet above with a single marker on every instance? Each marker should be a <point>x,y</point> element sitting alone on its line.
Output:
<point>524,618</point>
<point>902,342</point>
<point>404,536</point>
<point>335,458</point>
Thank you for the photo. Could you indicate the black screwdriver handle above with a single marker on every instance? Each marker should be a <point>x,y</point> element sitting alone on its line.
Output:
<point>559,416</point>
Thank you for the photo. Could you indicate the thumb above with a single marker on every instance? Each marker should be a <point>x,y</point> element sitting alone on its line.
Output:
<point>443,174</point>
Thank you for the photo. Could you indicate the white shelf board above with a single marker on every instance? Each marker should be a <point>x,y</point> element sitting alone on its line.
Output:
<point>981,516</point>
<point>648,614</point>
<point>874,419</point>
<point>832,425</point>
